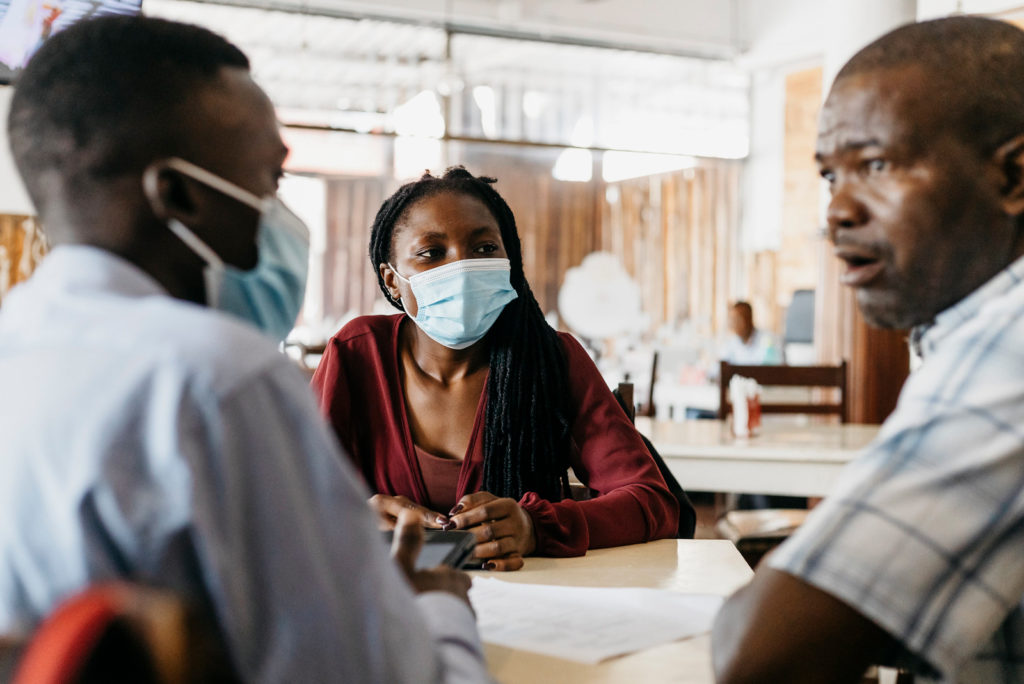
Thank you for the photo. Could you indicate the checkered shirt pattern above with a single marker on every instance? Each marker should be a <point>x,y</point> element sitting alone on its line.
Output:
<point>924,532</point>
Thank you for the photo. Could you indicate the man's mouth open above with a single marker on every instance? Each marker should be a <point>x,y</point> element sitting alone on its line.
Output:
<point>861,267</point>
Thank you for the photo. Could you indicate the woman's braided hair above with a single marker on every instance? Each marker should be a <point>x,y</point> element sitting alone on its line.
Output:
<point>526,433</point>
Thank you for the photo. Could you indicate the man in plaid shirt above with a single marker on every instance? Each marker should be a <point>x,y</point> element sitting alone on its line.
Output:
<point>917,557</point>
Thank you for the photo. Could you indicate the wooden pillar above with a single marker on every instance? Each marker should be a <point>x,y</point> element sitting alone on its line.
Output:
<point>878,360</point>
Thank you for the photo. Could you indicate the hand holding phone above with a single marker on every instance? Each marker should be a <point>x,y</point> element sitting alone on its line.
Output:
<point>407,542</point>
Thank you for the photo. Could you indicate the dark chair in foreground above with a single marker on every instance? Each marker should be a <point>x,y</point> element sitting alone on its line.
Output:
<point>119,632</point>
<point>687,514</point>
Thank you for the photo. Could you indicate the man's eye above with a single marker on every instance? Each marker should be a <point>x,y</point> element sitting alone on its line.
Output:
<point>489,248</point>
<point>876,165</point>
<point>828,175</point>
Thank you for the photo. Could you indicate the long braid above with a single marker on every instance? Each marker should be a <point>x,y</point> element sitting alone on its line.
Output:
<point>526,432</point>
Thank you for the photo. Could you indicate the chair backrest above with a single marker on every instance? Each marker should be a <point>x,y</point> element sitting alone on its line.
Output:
<point>789,376</point>
<point>687,514</point>
<point>119,632</point>
<point>87,639</point>
<point>647,407</point>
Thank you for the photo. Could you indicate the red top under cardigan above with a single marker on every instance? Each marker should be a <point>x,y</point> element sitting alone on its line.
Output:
<point>359,388</point>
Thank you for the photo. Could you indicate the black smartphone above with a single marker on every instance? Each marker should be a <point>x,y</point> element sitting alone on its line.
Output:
<point>452,548</point>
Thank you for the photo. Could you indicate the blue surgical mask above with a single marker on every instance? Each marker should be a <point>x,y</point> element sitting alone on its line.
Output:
<point>456,304</point>
<point>270,294</point>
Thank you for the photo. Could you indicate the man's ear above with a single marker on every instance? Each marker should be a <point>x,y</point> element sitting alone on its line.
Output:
<point>169,193</point>
<point>1009,158</point>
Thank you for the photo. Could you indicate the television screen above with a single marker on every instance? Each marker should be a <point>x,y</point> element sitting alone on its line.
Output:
<point>25,24</point>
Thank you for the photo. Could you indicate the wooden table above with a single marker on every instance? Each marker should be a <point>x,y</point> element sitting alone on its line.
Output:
<point>690,566</point>
<point>783,458</point>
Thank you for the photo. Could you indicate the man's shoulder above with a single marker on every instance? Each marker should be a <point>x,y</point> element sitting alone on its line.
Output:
<point>208,346</point>
<point>980,352</point>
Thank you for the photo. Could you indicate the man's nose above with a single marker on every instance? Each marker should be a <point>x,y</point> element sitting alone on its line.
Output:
<point>844,210</point>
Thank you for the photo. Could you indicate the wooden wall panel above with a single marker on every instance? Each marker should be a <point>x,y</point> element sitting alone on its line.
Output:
<point>675,233</point>
<point>801,198</point>
<point>350,284</point>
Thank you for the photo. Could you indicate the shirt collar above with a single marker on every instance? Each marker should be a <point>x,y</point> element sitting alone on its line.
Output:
<point>85,268</point>
<point>926,338</point>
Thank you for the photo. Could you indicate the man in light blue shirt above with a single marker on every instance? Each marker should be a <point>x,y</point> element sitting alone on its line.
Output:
<point>746,345</point>
<point>144,434</point>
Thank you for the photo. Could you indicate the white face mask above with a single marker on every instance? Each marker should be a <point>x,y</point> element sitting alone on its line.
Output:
<point>456,304</point>
<point>270,294</point>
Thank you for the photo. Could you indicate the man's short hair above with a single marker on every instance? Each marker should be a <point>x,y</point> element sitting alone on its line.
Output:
<point>975,64</point>
<point>105,97</point>
<point>744,308</point>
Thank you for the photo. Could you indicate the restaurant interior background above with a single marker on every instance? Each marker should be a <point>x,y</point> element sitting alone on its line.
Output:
<point>670,141</point>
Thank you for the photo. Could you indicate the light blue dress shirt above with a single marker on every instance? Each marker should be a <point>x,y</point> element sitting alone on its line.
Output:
<point>150,438</point>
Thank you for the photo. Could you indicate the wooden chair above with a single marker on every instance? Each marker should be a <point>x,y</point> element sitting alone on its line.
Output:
<point>789,376</point>
<point>757,532</point>
<point>647,407</point>
<point>687,514</point>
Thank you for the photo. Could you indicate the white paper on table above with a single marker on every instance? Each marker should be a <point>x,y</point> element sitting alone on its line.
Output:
<point>584,624</point>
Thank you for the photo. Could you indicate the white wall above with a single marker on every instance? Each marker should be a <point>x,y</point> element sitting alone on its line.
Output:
<point>761,197</point>
<point>931,9</point>
<point>13,198</point>
<point>782,36</point>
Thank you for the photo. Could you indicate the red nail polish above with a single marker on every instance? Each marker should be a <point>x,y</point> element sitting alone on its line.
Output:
<point>450,525</point>
<point>458,507</point>
<point>489,565</point>
<point>441,520</point>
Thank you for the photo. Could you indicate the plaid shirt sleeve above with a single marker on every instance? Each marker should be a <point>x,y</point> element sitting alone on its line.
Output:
<point>924,534</point>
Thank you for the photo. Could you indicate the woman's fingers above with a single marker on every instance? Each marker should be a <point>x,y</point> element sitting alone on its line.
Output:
<point>482,511</point>
<point>505,563</point>
<point>471,501</point>
<point>390,507</point>
<point>499,547</point>
<point>493,529</point>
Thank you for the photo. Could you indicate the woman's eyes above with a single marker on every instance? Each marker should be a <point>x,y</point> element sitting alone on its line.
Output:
<point>439,252</point>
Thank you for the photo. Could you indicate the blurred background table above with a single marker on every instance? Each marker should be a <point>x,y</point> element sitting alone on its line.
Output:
<point>784,457</point>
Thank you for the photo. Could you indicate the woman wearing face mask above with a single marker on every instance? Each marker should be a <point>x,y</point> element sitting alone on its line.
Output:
<point>469,407</point>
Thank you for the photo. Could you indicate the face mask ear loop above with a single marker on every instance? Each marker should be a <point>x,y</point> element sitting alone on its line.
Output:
<point>399,275</point>
<point>195,244</point>
<point>216,182</point>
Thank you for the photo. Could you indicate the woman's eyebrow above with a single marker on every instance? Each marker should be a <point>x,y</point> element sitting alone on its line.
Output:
<point>431,235</point>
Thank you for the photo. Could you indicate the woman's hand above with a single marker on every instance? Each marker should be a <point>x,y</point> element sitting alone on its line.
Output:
<point>390,507</point>
<point>504,531</point>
